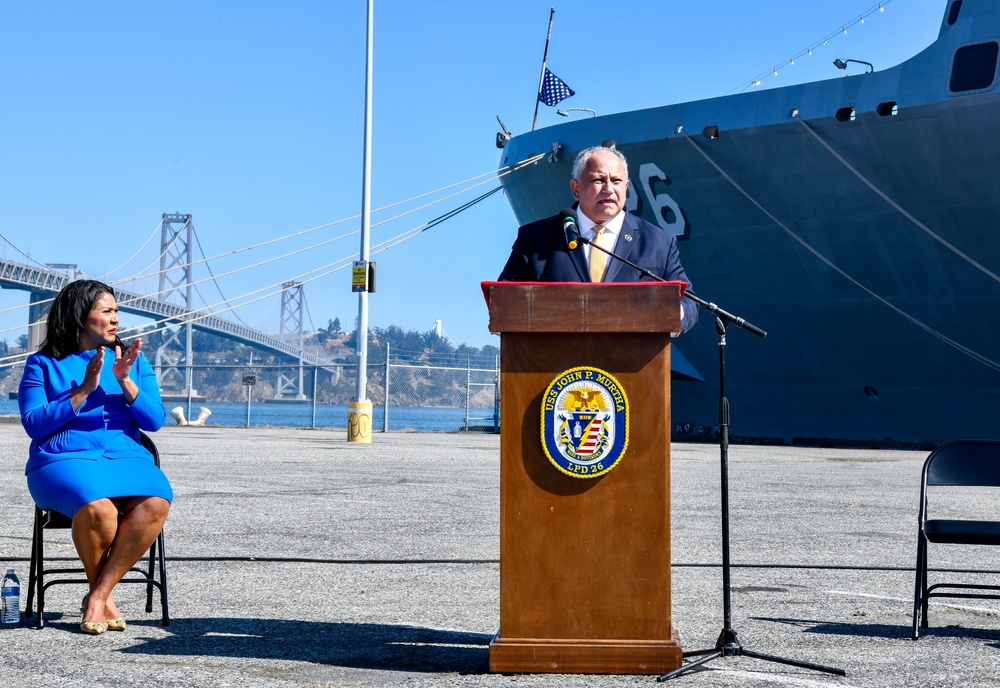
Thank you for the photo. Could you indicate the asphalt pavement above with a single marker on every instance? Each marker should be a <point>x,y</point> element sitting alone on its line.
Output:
<point>296,558</point>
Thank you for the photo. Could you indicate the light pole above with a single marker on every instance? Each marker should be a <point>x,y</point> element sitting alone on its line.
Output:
<point>359,415</point>
<point>842,64</point>
<point>565,113</point>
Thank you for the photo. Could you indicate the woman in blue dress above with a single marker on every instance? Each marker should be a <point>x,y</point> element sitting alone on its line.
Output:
<point>84,398</point>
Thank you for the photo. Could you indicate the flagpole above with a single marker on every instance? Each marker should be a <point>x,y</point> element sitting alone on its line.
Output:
<point>541,79</point>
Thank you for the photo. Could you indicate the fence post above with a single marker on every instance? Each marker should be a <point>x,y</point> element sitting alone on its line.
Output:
<point>315,380</point>
<point>249,394</point>
<point>496,399</point>
<point>249,380</point>
<point>385,403</point>
<point>468,389</point>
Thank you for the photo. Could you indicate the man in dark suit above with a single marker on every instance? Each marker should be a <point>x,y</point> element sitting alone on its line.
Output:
<point>600,182</point>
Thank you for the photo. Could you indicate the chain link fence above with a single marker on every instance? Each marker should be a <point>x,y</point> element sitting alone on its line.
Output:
<point>406,394</point>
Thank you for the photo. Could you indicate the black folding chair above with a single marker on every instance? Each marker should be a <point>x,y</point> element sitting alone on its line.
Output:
<point>962,463</point>
<point>40,578</point>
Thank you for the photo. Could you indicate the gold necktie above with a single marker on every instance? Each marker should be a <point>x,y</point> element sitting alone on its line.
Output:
<point>598,258</point>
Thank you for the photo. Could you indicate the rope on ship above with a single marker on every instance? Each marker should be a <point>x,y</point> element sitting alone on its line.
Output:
<point>989,363</point>
<point>893,203</point>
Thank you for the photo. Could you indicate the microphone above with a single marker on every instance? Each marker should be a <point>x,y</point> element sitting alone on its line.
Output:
<point>570,229</point>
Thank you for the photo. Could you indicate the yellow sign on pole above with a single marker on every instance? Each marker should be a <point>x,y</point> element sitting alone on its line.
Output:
<point>359,276</point>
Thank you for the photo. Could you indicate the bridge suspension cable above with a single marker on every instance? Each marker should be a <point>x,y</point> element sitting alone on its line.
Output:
<point>128,260</point>
<point>15,247</point>
<point>495,174</point>
<point>322,271</point>
<point>166,323</point>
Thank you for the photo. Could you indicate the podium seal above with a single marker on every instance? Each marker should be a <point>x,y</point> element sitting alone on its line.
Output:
<point>585,416</point>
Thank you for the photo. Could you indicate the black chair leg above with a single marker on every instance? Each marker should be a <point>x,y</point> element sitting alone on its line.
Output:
<point>32,573</point>
<point>924,599</point>
<point>924,622</point>
<point>919,584</point>
<point>149,575</point>
<point>163,580</point>
<point>40,567</point>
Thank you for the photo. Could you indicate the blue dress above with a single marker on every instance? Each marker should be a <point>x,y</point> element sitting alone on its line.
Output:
<point>78,456</point>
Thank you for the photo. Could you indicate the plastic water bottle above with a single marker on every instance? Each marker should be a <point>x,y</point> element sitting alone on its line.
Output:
<point>10,599</point>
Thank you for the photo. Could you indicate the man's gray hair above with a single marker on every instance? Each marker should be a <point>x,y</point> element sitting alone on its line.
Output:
<point>584,156</point>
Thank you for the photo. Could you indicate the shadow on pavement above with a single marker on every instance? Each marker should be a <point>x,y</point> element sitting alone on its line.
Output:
<point>885,630</point>
<point>355,645</point>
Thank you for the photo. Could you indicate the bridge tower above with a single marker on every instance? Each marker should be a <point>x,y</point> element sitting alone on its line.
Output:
<point>40,302</point>
<point>176,286</point>
<point>290,381</point>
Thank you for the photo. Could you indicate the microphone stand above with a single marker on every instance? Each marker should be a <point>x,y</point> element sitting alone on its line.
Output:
<point>727,645</point>
<point>710,307</point>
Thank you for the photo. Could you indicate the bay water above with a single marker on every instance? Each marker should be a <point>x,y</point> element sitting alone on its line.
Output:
<point>300,415</point>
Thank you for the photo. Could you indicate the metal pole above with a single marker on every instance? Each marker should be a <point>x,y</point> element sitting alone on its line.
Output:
<point>359,411</point>
<point>385,405</point>
<point>365,217</point>
<point>249,392</point>
<point>302,344</point>
<point>315,380</point>
<point>496,399</point>
<point>545,56</point>
<point>468,389</point>
<point>189,300</point>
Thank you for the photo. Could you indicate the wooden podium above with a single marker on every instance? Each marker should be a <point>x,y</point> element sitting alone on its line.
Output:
<point>584,562</point>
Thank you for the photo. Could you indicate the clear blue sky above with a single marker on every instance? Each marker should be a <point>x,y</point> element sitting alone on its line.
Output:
<point>249,115</point>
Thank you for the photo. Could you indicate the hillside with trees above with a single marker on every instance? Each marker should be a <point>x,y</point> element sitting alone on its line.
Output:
<point>431,369</point>
<point>420,363</point>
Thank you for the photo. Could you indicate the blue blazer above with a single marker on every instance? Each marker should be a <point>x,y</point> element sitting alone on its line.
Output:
<point>104,426</point>
<point>540,254</point>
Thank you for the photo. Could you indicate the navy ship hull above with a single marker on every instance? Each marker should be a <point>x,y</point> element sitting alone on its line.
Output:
<point>856,220</point>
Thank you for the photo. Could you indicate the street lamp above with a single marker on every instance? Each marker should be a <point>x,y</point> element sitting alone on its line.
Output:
<point>842,64</point>
<point>565,113</point>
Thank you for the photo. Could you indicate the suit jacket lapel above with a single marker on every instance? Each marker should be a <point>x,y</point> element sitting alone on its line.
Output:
<point>577,257</point>
<point>580,262</point>
<point>627,239</point>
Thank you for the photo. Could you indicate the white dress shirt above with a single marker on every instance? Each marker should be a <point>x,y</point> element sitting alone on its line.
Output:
<point>612,228</point>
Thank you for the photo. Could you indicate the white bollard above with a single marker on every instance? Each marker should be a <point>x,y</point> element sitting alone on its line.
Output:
<point>178,414</point>
<point>203,414</point>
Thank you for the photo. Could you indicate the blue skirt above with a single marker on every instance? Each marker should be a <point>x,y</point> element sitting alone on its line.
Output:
<point>67,485</point>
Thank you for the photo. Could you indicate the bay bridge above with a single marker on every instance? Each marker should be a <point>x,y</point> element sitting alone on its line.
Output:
<point>175,315</point>
<point>173,310</point>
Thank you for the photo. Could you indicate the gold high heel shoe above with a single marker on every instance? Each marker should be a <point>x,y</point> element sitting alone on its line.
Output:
<point>93,627</point>
<point>116,624</point>
<point>97,627</point>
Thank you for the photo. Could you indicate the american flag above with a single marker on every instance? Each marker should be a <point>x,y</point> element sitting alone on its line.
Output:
<point>589,444</point>
<point>554,89</point>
